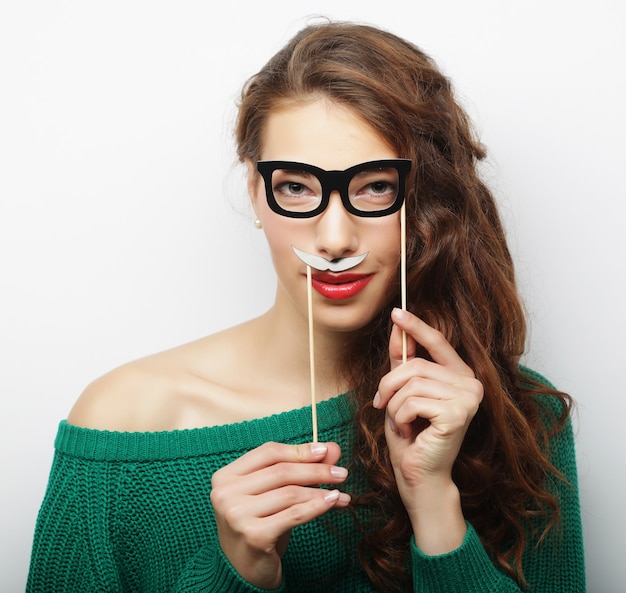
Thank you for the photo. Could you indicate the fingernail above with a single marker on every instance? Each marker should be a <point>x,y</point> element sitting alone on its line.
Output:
<point>318,448</point>
<point>376,401</point>
<point>392,425</point>
<point>399,313</point>
<point>344,498</point>
<point>332,496</point>
<point>339,472</point>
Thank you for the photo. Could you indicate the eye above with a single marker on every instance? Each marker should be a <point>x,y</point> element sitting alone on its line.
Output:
<point>291,188</point>
<point>374,190</point>
<point>296,191</point>
<point>381,187</point>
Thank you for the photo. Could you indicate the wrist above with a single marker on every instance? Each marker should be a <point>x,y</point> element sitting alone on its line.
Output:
<point>437,517</point>
<point>263,571</point>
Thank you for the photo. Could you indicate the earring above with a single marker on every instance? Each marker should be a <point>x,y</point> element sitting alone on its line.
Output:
<point>257,224</point>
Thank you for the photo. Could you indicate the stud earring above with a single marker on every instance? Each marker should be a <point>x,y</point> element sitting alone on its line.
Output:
<point>257,224</point>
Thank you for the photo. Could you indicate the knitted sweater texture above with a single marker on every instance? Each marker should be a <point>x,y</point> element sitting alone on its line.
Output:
<point>130,512</point>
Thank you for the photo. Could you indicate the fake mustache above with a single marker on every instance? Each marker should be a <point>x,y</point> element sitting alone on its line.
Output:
<point>322,264</point>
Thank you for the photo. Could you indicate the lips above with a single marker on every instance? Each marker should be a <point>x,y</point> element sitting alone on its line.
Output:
<point>340,286</point>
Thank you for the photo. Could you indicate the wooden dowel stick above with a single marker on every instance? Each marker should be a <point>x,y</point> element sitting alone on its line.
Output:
<point>309,294</point>
<point>403,272</point>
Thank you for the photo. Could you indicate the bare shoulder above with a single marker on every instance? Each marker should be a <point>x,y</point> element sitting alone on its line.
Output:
<point>114,401</point>
<point>178,388</point>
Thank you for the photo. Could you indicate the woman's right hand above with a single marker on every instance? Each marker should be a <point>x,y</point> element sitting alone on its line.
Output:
<point>259,498</point>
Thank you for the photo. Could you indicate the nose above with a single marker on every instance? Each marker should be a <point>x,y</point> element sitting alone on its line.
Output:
<point>336,230</point>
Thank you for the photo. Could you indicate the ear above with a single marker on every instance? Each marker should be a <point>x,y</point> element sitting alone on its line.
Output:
<point>253,184</point>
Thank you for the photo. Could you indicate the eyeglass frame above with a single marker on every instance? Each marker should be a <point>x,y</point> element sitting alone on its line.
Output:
<point>335,180</point>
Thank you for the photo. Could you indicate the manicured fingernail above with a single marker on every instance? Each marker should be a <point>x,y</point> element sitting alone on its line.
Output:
<point>339,472</point>
<point>376,401</point>
<point>392,425</point>
<point>318,448</point>
<point>399,314</point>
<point>344,498</point>
<point>332,496</point>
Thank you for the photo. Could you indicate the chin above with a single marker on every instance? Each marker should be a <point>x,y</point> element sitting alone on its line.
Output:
<point>344,319</point>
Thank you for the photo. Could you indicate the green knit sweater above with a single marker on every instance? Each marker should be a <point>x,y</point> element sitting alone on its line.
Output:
<point>131,512</point>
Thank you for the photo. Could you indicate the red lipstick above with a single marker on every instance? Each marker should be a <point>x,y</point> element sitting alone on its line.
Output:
<point>339,286</point>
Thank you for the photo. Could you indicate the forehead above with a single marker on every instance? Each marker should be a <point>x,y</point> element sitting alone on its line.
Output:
<point>324,134</point>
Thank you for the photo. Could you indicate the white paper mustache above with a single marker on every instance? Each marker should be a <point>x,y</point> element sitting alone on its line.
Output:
<point>322,264</point>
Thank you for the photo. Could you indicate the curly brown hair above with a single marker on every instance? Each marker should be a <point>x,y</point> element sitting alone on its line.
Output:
<point>460,280</point>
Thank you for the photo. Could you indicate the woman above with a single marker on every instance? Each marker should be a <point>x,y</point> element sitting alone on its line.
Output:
<point>194,470</point>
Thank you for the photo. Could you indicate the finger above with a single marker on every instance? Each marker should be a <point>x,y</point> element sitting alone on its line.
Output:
<point>468,396</point>
<point>419,386</point>
<point>446,407</point>
<point>420,374</point>
<point>271,453</point>
<point>273,526</point>
<point>276,501</point>
<point>299,474</point>
<point>302,513</point>
<point>445,418</point>
<point>431,339</point>
<point>396,348</point>
<point>419,368</point>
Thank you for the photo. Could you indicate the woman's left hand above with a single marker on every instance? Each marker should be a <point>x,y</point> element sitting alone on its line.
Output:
<point>429,406</point>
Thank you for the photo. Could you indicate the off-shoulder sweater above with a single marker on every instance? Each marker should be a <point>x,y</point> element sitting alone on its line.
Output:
<point>130,512</point>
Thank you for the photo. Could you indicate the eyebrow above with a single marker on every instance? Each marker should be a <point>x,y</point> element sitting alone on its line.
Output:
<point>298,171</point>
<point>374,170</point>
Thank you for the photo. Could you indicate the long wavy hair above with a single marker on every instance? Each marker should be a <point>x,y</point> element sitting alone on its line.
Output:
<point>460,280</point>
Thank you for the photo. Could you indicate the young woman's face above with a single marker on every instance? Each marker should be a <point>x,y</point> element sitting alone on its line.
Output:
<point>331,137</point>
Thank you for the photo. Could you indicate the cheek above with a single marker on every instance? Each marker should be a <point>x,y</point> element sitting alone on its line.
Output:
<point>386,246</point>
<point>277,233</point>
<point>280,236</point>
<point>386,241</point>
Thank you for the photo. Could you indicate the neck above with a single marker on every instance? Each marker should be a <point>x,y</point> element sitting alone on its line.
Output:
<point>286,353</point>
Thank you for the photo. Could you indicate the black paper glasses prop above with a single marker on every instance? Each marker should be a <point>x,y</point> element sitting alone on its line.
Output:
<point>300,190</point>
<point>371,189</point>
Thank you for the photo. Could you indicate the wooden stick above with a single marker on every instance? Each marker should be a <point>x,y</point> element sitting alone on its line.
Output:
<point>309,294</point>
<point>403,272</point>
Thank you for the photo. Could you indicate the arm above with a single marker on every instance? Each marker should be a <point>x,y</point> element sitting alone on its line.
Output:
<point>139,525</point>
<point>210,571</point>
<point>259,498</point>
<point>74,548</point>
<point>556,566</point>
<point>429,406</point>
<point>447,555</point>
<point>62,557</point>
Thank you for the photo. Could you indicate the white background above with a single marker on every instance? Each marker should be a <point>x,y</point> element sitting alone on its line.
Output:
<point>123,220</point>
